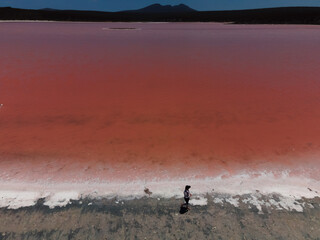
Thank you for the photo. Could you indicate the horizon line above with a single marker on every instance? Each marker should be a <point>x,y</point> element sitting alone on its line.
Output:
<point>106,11</point>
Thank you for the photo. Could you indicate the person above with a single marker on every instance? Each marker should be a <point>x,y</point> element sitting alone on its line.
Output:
<point>187,195</point>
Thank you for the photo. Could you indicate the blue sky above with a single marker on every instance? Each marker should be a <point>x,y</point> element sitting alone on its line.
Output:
<point>117,5</point>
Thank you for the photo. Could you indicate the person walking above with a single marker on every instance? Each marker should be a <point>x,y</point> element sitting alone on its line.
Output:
<point>187,195</point>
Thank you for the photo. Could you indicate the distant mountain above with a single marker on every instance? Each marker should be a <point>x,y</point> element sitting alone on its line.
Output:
<point>178,13</point>
<point>158,8</point>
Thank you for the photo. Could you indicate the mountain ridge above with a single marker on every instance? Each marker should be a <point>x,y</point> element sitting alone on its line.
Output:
<point>159,8</point>
<point>283,15</point>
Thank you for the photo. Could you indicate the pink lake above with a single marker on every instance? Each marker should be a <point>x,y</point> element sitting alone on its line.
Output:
<point>82,101</point>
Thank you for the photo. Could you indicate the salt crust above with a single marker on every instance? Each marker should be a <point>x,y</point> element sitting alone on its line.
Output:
<point>199,200</point>
<point>249,189</point>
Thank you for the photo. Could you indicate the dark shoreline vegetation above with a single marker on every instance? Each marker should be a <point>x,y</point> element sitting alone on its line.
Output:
<point>283,15</point>
<point>150,218</point>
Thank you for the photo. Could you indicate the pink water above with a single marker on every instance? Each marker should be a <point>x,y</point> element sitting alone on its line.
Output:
<point>82,101</point>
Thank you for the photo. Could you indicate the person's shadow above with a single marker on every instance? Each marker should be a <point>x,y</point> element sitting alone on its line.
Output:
<point>183,208</point>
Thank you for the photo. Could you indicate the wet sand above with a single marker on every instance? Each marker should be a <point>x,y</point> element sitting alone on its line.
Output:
<point>150,218</point>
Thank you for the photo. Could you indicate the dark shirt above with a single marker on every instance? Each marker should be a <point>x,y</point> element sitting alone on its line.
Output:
<point>186,194</point>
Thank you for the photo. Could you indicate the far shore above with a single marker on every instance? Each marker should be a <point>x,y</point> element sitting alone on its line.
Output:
<point>281,15</point>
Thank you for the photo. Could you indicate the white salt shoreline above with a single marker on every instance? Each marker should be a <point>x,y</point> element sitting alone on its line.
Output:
<point>291,190</point>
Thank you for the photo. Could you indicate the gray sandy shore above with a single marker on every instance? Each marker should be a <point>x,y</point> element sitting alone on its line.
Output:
<point>150,218</point>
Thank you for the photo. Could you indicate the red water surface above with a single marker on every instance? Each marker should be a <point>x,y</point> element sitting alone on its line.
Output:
<point>160,100</point>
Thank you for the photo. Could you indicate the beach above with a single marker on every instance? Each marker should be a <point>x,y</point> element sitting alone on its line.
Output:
<point>151,218</point>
